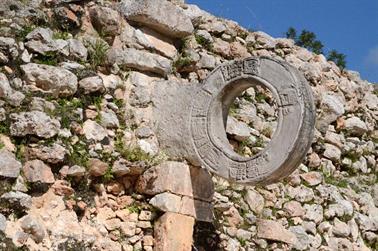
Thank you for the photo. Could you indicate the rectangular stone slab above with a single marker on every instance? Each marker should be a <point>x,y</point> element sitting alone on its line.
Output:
<point>161,15</point>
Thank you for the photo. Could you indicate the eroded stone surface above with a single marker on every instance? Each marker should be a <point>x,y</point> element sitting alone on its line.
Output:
<point>51,154</point>
<point>174,232</point>
<point>34,123</point>
<point>206,131</point>
<point>9,166</point>
<point>155,15</point>
<point>272,230</point>
<point>183,180</point>
<point>168,202</point>
<point>140,60</point>
<point>50,79</point>
<point>37,171</point>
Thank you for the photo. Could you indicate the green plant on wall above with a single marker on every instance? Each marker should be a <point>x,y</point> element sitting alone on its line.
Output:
<point>97,53</point>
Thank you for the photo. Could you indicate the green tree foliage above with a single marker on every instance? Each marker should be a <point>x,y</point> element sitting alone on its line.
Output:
<point>338,58</point>
<point>291,33</point>
<point>308,40</point>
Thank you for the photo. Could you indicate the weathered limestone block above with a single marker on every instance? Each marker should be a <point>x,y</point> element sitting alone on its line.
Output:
<point>162,16</point>
<point>97,167</point>
<point>33,123</point>
<point>51,154</point>
<point>332,107</point>
<point>48,79</point>
<point>161,44</point>
<point>355,126</point>
<point>9,166</point>
<point>140,60</point>
<point>105,20</point>
<point>273,230</point>
<point>41,41</point>
<point>77,50</point>
<point>37,171</point>
<point>168,202</point>
<point>177,178</point>
<point>93,131</point>
<point>174,232</point>
<point>92,84</point>
<point>8,93</point>
<point>34,227</point>
<point>255,201</point>
<point>3,223</point>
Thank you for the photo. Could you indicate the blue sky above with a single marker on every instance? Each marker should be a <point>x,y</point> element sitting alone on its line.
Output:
<point>349,26</point>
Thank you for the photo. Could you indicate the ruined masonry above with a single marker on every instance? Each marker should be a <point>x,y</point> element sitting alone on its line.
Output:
<point>154,125</point>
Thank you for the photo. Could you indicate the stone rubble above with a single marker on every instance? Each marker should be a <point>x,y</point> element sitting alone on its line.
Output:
<point>81,167</point>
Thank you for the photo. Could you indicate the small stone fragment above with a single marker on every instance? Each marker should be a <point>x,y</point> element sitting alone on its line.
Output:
<point>240,130</point>
<point>105,20</point>
<point>9,166</point>
<point>340,229</point>
<point>77,50</point>
<point>109,119</point>
<point>97,167</point>
<point>76,171</point>
<point>37,171</point>
<point>312,178</point>
<point>332,152</point>
<point>3,223</point>
<point>167,202</point>
<point>92,84</point>
<point>128,228</point>
<point>355,126</point>
<point>255,201</point>
<point>94,131</point>
<point>34,227</point>
<point>294,209</point>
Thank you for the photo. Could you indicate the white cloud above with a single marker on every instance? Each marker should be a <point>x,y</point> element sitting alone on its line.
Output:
<point>372,57</point>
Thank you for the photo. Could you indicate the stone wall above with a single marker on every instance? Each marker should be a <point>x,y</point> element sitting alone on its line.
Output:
<point>82,166</point>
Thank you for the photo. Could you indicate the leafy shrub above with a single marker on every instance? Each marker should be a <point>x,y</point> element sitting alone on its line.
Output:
<point>97,53</point>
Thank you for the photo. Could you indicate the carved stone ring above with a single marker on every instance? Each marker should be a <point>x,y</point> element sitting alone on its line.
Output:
<point>291,140</point>
<point>204,110</point>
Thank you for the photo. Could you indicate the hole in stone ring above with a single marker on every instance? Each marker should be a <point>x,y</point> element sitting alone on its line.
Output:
<point>249,114</point>
<point>251,120</point>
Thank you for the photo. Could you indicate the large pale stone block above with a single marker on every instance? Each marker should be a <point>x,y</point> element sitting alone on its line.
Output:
<point>161,15</point>
<point>163,45</point>
<point>177,178</point>
<point>167,202</point>
<point>174,232</point>
<point>140,60</point>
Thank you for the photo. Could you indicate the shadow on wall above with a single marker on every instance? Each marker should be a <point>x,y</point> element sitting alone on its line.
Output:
<point>205,237</point>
